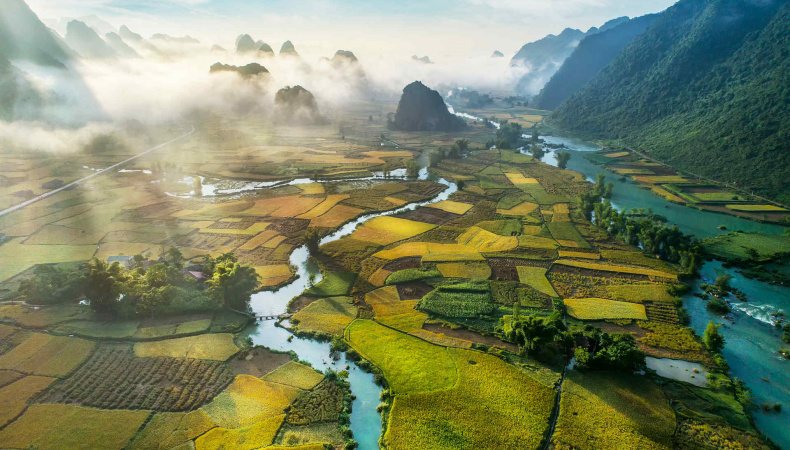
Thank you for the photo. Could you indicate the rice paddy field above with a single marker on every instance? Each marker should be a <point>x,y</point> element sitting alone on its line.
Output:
<point>689,190</point>
<point>419,296</point>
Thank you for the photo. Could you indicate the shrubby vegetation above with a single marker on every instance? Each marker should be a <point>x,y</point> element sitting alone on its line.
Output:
<point>147,288</point>
<point>643,229</point>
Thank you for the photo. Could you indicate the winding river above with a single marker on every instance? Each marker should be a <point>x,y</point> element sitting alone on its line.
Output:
<point>365,419</point>
<point>752,342</point>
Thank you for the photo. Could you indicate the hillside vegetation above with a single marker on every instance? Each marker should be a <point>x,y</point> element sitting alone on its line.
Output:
<point>705,89</point>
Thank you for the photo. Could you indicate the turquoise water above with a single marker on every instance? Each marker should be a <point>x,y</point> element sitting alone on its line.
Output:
<point>751,346</point>
<point>752,341</point>
<point>365,419</point>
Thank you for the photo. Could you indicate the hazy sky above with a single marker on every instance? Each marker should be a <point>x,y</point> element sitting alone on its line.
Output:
<point>440,28</point>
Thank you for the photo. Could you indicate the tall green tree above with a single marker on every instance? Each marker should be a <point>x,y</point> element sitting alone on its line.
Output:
<point>233,282</point>
<point>712,339</point>
<point>103,284</point>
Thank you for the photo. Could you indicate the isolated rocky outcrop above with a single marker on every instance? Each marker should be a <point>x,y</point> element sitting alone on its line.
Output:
<point>288,49</point>
<point>297,106</point>
<point>423,109</point>
<point>422,59</point>
<point>129,35</point>
<point>246,44</point>
<point>248,71</point>
<point>344,57</point>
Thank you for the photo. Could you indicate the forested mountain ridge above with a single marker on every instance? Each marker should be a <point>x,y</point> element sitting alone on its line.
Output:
<point>591,56</point>
<point>705,89</point>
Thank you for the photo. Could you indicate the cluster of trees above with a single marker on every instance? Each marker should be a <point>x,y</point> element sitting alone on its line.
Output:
<point>545,337</point>
<point>509,136</point>
<point>162,287</point>
<point>474,99</point>
<point>643,229</point>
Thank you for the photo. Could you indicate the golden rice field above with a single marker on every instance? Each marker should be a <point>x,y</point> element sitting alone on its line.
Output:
<point>47,355</point>
<point>451,419</point>
<point>536,278</point>
<point>756,208</point>
<point>14,396</point>
<point>660,179</point>
<point>248,400</point>
<point>617,268</point>
<point>469,270</point>
<point>386,230</point>
<point>599,309</point>
<point>71,426</point>
<point>215,346</point>
<point>452,207</point>
<point>609,410</point>
<point>485,241</point>
<point>390,310</point>
<point>296,375</point>
<point>431,251</point>
<point>410,365</point>
<point>326,315</point>
<point>521,209</point>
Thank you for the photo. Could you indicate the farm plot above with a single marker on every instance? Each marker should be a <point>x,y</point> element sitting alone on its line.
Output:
<point>615,268</point>
<point>14,396</point>
<point>451,419</point>
<point>16,257</point>
<point>336,216</point>
<point>296,375</point>
<point>386,230</point>
<point>249,400</point>
<point>487,242</point>
<point>217,347</point>
<point>113,378</point>
<point>756,208</point>
<point>43,317</point>
<point>257,435</point>
<point>452,207</point>
<point>390,310</point>
<point>431,251</point>
<point>470,270</point>
<point>535,277</point>
<point>71,426</point>
<point>470,299</point>
<point>327,315</point>
<point>610,410</point>
<point>47,355</point>
<point>321,404</point>
<point>171,430</point>
<point>410,365</point>
<point>599,309</point>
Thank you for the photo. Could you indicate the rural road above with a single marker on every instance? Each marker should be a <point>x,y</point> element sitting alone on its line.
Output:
<point>93,175</point>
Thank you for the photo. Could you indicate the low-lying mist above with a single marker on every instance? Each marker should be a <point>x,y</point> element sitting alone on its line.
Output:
<point>166,87</point>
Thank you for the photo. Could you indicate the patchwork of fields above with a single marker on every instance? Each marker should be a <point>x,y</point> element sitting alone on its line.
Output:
<point>667,183</point>
<point>423,297</point>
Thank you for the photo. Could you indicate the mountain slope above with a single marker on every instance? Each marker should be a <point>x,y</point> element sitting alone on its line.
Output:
<point>594,53</point>
<point>706,89</point>
<point>543,57</point>
<point>23,36</point>
<point>85,41</point>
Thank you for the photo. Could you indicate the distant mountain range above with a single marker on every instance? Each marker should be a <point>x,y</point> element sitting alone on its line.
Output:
<point>542,58</point>
<point>705,88</point>
<point>25,39</point>
<point>593,53</point>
